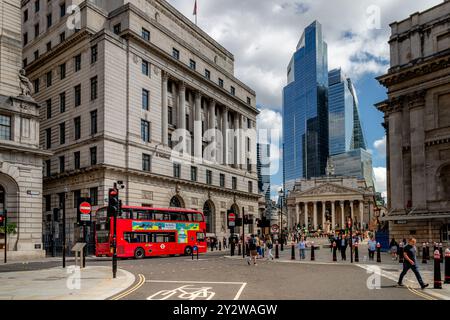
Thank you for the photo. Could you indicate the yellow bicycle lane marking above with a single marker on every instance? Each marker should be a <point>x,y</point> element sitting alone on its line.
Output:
<point>132,289</point>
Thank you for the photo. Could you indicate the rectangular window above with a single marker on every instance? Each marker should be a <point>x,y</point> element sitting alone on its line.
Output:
<point>248,144</point>
<point>62,9</point>
<point>207,74</point>
<point>36,30</point>
<point>77,90</point>
<point>77,63</point>
<point>169,140</point>
<point>94,122</point>
<point>77,159</point>
<point>76,197</point>
<point>48,202</point>
<point>249,101</point>
<point>36,55</point>
<point>62,71</point>
<point>145,68</point>
<point>49,46</point>
<point>49,78</point>
<point>93,194</point>
<point>194,173</point>
<point>145,99</point>
<point>37,5</point>
<point>36,85</point>
<point>49,20</point>
<point>208,177</point>
<point>176,170</point>
<point>145,130</point>
<point>48,168</point>
<point>234,183</point>
<point>48,138</point>
<point>77,127</point>
<point>249,124</point>
<point>233,91</point>
<point>62,133</point>
<point>62,164</point>
<point>94,88</point>
<point>24,63</point>
<point>117,29</point>
<point>93,155</point>
<point>62,37</point>
<point>49,108</point>
<point>5,127</point>
<point>25,16</point>
<point>94,54</point>
<point>250,187</point>
<point>221,82</point>
<point>25,38</point>
<point>176,54</point>
<point>146,162</point>
<point>145,34</point>
<point>170,115</point>
<point>249,165</point>
<point>62,102</point>
<point>187,123</point>
<point>222,180</point>
<point>192,64</point>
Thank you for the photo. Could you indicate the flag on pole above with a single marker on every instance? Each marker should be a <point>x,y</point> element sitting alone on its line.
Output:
<point>195,11</point>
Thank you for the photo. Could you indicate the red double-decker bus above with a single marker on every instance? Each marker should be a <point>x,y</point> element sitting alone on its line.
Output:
<point>144,232</point>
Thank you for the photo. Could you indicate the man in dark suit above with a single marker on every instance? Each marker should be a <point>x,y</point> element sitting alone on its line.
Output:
<point>344,244</point>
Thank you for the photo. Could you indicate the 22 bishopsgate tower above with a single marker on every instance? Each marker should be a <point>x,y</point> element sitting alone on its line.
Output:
<point>305,109</point>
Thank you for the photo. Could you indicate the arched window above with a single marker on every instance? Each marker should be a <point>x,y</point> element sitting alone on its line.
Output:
<point>175,202</point>
<point>444,183</point>
<point>209,219</point>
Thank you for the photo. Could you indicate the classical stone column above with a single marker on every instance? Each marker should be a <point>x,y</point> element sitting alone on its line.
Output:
<point>305,206</point>
<point>324,205</point>
<point>333,215</point>
<point>212,124</point>
<point>315,215</point>
<point>297,213</point>
<point>225,135</point>
<point>361,213</point>
<point>342,214</point>
<point>396,156</point>
<point>351,210</point>
<point>198,134</point>
<point>417,131</point>
<point>182,113</point>
<point>164,110</point>
<point>236,141</point>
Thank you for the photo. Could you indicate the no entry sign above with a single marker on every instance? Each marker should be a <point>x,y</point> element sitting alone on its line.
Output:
<point>232,219</point>
<point>85,211</point>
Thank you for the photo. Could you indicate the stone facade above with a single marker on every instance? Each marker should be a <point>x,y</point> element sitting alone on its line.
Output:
<point>417,122</point>
<point>326,203</point>
<point>20,156</point>
<point>144,71</point>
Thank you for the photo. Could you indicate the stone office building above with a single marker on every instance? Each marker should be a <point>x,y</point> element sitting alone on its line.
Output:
<point>116,81</point>
<point>20,156</point>
<point>417,122</point>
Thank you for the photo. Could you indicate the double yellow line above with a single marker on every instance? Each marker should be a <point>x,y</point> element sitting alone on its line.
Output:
<point>421,294</point>
<point>131,290</point>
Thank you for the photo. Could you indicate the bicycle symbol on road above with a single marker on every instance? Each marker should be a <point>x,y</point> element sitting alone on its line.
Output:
<point>187,292</point>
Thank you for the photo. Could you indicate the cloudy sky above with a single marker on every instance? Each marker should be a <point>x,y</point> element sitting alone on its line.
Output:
<point>263,34</point>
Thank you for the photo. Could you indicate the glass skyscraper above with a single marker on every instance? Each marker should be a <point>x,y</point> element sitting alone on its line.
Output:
<point>263,169</point>
<point>305,109</point>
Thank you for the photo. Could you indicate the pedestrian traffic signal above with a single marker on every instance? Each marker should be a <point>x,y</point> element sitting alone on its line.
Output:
<point>113,202</point>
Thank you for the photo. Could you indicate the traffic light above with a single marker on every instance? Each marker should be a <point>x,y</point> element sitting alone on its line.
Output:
<point>113,202</point>
<point>2,220</point>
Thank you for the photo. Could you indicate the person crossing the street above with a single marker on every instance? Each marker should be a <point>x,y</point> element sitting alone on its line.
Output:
<point>252,248</point>
<point>410,262</point>
<point>302,247</point>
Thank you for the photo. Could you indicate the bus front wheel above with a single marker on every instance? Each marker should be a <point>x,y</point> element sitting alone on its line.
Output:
<point>188,251</point>
<point>139,253</point>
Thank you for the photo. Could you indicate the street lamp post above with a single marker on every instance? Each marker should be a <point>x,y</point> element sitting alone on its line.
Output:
<point>350,227</point>
<point>280,193</point>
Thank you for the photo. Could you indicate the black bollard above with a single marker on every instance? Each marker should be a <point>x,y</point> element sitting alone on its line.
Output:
<point>282,244</point>
<point>378,252</point>
<point>232,249</point>
<point>334,251</point>
<point>356,252</point>
<point>293,252</point>
<point>313,256</point>
<point>247,250</point>
<point>192,254</point>
<point>400,253</point>
<point>277,254</point>
<point>220,246</point>
<point>441,252</point>
<point>427,256</point>
<point>437,270</point>
<point>447,266</point>
<point>424,254</point>
<point>239,250</point>
<point>197,253</point>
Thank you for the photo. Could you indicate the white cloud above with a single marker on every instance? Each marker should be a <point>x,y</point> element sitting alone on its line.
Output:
<point>269,125</point>
<point>263,35</point>
<point>380,147</point>
<point>381,180</point>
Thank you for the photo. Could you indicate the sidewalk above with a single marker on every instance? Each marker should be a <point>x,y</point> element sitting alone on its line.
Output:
<point>90,283</point>
<point>389,268</point>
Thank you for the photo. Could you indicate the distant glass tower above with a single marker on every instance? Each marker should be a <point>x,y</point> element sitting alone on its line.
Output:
<point>305,109</point>
<point>347,143</point>
<point>263,169</point>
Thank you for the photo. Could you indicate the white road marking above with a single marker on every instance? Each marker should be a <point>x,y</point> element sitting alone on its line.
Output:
<point>240,291</point>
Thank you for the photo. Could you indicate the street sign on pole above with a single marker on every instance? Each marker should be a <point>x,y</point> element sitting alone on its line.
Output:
<point>231,219</point>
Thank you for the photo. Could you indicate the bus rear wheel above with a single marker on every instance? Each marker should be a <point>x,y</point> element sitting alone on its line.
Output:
<point>187,251</point>
<point>139,253</point>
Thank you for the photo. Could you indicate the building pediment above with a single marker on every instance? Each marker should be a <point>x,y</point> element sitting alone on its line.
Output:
<point>328,189</point>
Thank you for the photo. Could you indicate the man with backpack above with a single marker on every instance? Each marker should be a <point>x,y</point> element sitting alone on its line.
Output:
<point>253,251</point>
